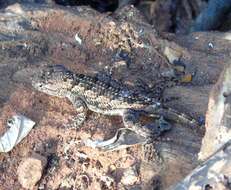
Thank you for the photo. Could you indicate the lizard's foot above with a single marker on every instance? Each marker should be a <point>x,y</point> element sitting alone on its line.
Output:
<point>158,127</point>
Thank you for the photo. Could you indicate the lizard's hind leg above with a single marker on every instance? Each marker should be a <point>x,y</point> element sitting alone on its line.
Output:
<point>131,120</point>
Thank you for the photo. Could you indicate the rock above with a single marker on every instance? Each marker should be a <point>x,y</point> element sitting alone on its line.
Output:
<point>130,176</point>
<point>212,174</point>
<point>215,151</point>
<point>218,116</point>
<point>30,170</point>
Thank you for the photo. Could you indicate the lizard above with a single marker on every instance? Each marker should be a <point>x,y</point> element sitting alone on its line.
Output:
<point>88,92</point>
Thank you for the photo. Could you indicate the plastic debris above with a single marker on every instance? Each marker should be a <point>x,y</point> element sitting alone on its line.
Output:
<point>122,139</point>
<point>19,127</point>
<point>211,45</point>
<point>78,39</point>
<point>186,78</point>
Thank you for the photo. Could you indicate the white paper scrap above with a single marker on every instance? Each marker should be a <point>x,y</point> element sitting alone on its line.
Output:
<point>19,127</point>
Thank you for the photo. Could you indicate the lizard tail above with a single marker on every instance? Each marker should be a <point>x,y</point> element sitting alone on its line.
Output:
<point>178,116</point>
<point>174,115</point>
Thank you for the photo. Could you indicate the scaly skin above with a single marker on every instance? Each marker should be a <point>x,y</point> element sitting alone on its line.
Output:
<point>86,92</point>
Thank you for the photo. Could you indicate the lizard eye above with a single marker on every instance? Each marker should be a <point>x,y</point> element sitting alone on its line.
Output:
<point>68,74</point>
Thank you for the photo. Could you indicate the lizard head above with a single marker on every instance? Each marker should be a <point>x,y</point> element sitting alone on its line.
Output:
<point>54,80</point>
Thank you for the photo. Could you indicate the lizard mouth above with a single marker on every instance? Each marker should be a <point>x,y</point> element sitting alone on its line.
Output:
<point>43,88</point>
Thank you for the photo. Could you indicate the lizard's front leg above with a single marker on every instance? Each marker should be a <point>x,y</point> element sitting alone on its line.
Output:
<point>81,108</point>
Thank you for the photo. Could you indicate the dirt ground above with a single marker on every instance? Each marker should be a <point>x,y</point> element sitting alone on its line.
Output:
<point>34,35</point>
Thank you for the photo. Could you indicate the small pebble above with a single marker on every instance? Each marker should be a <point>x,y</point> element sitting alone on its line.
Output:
<point>30,170</point>
<point>130,176</point>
